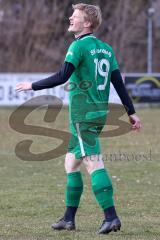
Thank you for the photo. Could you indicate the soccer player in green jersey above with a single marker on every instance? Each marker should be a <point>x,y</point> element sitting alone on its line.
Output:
<point>90,65</point>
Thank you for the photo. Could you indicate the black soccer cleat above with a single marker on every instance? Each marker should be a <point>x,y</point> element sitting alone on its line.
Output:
<point>64,225</point>
<point>108,227</point>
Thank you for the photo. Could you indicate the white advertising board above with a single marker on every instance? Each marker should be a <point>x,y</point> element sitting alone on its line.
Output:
<point>9,97</point>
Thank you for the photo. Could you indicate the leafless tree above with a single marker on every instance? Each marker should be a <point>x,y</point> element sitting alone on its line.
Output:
<point>34,37</point>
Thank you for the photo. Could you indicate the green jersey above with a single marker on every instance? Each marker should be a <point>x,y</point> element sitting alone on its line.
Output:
<point>89,85</point>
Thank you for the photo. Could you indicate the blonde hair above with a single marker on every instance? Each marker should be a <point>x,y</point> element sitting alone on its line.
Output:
<point>92,13</point>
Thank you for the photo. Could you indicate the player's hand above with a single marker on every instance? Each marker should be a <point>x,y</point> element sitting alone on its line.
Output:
<point>135,121</point>
<point>23,86</point>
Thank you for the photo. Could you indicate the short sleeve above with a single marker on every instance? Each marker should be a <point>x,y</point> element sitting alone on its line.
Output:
<point>114,63</point>
<point>74,54</point>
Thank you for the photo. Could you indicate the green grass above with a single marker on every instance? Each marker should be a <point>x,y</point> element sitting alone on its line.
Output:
<point>32,192</point>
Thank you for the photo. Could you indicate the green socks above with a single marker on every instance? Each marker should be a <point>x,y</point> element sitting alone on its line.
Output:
<point>102,188</point>
<point>74,189</point>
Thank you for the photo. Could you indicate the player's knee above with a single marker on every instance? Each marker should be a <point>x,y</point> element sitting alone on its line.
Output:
<point>71,164</point>
<point>93,163</point>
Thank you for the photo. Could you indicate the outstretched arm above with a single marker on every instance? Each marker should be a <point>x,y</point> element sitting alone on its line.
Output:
<point>120,88</point>
<point>57,79</point>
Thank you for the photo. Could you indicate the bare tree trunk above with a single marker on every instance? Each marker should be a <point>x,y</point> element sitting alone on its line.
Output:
<point>34,37</point>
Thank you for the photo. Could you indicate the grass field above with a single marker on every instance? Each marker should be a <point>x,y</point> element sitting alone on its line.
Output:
<point>32,192</point>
